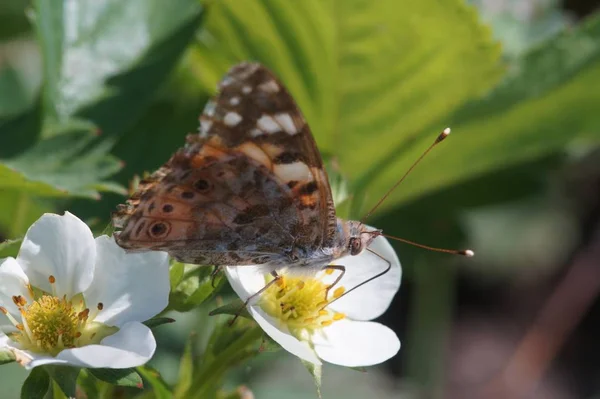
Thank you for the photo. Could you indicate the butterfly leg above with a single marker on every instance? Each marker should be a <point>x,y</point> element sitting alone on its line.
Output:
<point>276,278</point>
<point>342,270</point>
<point>213,275</point>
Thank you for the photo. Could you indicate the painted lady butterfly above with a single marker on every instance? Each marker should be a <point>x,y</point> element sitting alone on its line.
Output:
<point>249,189</point>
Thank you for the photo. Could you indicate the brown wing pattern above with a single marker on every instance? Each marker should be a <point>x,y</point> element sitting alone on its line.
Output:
<point>249,188</point>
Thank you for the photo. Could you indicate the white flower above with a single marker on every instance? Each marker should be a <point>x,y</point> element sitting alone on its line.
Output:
<point>296,314</point>
<point>75,300</point>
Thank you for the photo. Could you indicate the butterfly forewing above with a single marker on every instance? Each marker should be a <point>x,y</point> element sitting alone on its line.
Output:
<point>250,188</point>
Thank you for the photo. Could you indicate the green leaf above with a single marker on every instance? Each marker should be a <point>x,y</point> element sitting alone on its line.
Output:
<point>269,345</point>
<point>371,77</point>
<point>19,76</point>
<point>6,356</point>
<point>234,308</point>
<point>195,288</point>
<point>122,377</point>
<point>158,321</point>
<point>120,79</point>
<point>69,161</point>
<point>543,105</point>
<point>160,388</point>
<point>316,371</point>
<point>65,377</point>
<point>228,346</point>
<point>13,21</point>
<point>36,385</point>
<point>126,49</point>
<point>176,274</point>
<point>11,179</point>
<point>88,384</point>
<point>186,369</point>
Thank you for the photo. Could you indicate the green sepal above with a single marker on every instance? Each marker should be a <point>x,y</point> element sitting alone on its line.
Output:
<point>36,384</point>
<point>121,377</point>
<point>65,377</point>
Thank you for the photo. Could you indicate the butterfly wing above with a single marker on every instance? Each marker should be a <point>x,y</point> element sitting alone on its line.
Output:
<point>250,188</point>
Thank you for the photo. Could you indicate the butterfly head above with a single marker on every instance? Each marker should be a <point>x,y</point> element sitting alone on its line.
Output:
<point>359,237</point>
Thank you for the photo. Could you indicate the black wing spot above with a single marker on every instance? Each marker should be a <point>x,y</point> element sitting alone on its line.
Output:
<point>251,213</point>
<point>167,208</point>
<point>202,185</point>
<point>286,157</point>
<point>187,195</point>
<point>309,188</point>
<point>139,229</point>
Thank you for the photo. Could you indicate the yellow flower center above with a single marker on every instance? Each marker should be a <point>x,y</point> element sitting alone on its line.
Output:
<point>301,303</point>
<point>51,324</point>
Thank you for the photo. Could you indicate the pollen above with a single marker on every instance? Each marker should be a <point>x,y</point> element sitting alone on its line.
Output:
<point>49,324</point>
<point>298,303</point>
<point>338,292</point>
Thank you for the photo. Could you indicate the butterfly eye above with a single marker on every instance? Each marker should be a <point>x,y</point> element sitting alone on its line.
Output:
<point>355,246</point>
<point>158,229</point>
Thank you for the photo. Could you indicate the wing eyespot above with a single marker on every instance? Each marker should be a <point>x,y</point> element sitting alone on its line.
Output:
<point>159,229</point>
<point>167,208</point>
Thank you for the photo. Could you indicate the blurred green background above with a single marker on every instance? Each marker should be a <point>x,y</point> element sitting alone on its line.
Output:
<point>93,92</point>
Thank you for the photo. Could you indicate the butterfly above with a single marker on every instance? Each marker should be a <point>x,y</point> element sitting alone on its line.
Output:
<point>249,189</point>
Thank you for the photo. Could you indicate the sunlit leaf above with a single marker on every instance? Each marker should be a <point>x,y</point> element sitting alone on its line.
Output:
<point>542,105</point>
<point>370,76</point>
<point>160,388</point>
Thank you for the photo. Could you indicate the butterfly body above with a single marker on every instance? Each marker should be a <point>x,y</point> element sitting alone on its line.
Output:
<point>249,189</point>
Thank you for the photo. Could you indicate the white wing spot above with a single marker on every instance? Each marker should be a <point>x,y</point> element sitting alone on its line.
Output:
<point>293,171</point>
<point>205,126</point>
<point>227,80</point>
<point>209,108</point>
<point>256,132</point>
<point>234,101</point>
<point>287,123</point>
<point>232,118</point>
<point>268,124</point>
<point>246,89</point>
<point>270,87</point>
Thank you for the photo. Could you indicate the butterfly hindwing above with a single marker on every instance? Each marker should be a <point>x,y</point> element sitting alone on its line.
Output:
<point>248,189</point>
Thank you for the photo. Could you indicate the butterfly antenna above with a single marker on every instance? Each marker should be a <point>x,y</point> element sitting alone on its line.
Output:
<point>438,140</point>
<point>464,252</point>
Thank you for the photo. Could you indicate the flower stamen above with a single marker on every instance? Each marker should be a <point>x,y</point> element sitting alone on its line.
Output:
<point>52,280</point>
<point>51,324</point>
<point>298,303</point>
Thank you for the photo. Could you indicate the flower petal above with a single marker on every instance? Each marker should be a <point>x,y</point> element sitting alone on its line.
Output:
<point>130,286</point>
<point>245,280</point>
<point>132,346</point>
<point>373,298</point>
<point>356,343</point>
<point>12,282</point>
<point>59,246</point>
<point>283,338</point>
